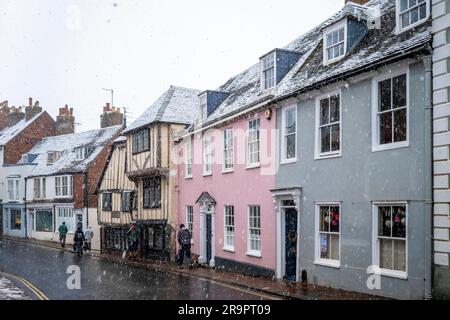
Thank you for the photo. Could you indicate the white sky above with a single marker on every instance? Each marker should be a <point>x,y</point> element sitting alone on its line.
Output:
<point>64,52</point>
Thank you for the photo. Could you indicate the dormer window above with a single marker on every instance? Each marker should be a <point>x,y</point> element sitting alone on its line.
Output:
<point>335,42</point>
<point>52,157</point>
<point>25,158</point>
<point>411,13</point>
<point>80,153</point>
<point>268,71</point>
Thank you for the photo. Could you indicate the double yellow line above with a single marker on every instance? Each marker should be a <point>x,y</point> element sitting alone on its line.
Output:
<point>28,284</point>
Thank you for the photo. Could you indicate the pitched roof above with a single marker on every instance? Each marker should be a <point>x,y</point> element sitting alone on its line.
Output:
<point>378,45</point>
<point>176,105</point>
<point>7,134</point>
<point>94,140</point>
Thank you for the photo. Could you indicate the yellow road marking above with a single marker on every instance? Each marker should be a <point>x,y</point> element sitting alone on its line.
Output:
<point>29,285</point>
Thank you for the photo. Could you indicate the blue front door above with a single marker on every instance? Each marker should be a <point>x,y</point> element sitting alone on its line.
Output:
<point>291,244</point>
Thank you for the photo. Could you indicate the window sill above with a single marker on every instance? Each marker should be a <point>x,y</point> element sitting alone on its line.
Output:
<point>328,263</point>
<point>394,274</point>
<point>252,166</point>
<point>328,156</point>
<point>228,249</point>
<point>412,26</point>
<point>390,146</point>
<point>288,161</point>
<point>225,171</point>
<point>207,174</point>
<point>254,254</point>
<point>188,178</point>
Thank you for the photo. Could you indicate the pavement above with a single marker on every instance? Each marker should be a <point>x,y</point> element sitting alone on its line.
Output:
<point>254,287</point>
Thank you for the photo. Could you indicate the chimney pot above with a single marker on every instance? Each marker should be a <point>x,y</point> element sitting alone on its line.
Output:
<point>30,102</point>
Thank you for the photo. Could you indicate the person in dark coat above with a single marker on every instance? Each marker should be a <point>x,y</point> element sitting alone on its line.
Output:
<point>78,238</point>
<point>184,240</point>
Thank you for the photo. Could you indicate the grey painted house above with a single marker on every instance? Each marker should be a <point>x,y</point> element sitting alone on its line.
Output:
<point>354,190</point>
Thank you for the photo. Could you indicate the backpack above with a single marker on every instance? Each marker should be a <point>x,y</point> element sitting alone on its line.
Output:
<point>185,237</point>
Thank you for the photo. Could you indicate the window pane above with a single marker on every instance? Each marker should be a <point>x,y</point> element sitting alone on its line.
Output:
<point>334,247</point>
<point>325,139</point>
<point>325,218</point>
<point>384,93</point>
<point>384,222</point>
<point>290,121</point>
<point>399,91</point>
<point>412,3</point>
<point>324,111</point>
<point>386,254</point>
<point>386,128</point>
<point>399,255</point>
<point>403,5</point>
<point>422,11</point>
<point>44,221</point>
<point>399,222</point>
<point>334,109</point>
<point>324,246</point>
<point>290,147</point>
<point>334,219</point>
<point>400,125</point>
<point>414,15</point>
<point>405,19</point>
<point>341,35</point>
<point>335,138</point>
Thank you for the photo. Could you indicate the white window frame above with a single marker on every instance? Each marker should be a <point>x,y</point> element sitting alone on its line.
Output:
<point>80,153</point>
<point>42,188</point>
<point>230,150</point>
<point>25,158</point>
<point>207,155</point>
<point>71,222</point>
<point>317,259</point>
<point>226,245</point>
<point>55,155</point>
<point>317,152</point>
<point>14,193</point>
<point>203,107</point>
<point>284,159</point>
<point>376,146</point>
<point>264,69</point>
<point>188,158</point>
<point>190,222</point>
<point>251,164</point>
<point>327,31</point>
<point>375,241</point>
<point>399,28</point>
<point>59,186</point>
<point>250,251</point>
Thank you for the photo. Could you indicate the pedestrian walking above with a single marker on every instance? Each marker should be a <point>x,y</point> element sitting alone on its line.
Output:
<point>62,234</point>
<point>133,240</point>
<point>78,241</point>
<point>184,240</point>
<point>88,235</point>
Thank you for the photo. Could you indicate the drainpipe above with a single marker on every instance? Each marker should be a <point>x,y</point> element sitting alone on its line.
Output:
<point>429,178</point>
<point>25,209</point>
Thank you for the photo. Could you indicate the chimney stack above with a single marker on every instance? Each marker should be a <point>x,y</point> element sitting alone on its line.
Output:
<point>65,121</point>
<point>32,110</point>
<point>15,115</point>
<point>4,112</point>
<point>111,116</point>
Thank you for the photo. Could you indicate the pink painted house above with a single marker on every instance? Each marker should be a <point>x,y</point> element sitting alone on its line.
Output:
<point>227,167</point>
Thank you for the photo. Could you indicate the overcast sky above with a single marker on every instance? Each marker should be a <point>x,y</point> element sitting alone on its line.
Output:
<point>64,52</point>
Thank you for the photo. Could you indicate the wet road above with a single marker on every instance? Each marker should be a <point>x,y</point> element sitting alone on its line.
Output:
<point>46,269</point>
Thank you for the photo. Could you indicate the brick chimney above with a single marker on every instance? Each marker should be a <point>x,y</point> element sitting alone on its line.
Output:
<point>111,116</point>
<point>15,115</point>
<point>361,2</point>
<point>32,110</point>
<point>65,121</point>
<point>4,112</point>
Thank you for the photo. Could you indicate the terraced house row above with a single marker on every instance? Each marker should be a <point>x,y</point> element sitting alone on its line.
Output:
<point>326,161</point>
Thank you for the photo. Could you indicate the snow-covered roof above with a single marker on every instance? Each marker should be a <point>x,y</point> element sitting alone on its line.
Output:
<point>9,133</point>
<point>378,45</point>
<point>94,141</point>
<point>176,105</point>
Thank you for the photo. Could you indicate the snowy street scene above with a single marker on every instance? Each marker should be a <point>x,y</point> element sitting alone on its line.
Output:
<point>252,152</point>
